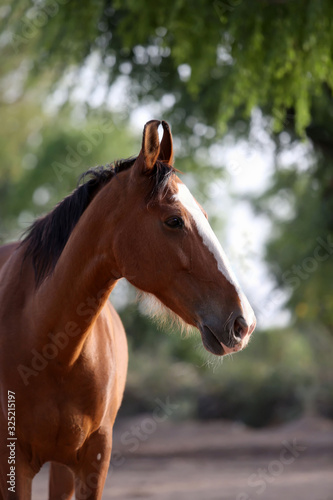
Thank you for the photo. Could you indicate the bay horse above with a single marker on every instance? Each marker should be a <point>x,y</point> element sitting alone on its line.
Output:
<point>63,351</point>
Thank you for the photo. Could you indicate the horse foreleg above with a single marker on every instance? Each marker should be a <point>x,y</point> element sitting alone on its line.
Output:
<point>93,467</point>
<point>61,485</point>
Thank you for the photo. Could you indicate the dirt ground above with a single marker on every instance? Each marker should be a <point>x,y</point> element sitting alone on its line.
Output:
<point>216,460</point>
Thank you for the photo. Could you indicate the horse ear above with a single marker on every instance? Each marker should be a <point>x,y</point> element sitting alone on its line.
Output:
<point>150,143</point>
<point>166,148</point>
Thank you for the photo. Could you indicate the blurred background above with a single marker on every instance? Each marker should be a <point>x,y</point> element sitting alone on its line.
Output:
<point>247,89</point>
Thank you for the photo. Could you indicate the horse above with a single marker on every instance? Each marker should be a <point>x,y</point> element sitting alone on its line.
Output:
<point>63,350</point>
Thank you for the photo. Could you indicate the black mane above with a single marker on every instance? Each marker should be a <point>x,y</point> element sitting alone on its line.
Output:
<point>48,235</point>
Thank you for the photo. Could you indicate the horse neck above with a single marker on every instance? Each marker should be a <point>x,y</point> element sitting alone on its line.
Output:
<point>71,298</point>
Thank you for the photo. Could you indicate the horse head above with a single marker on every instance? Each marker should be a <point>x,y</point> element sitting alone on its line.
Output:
<point>164,245</point>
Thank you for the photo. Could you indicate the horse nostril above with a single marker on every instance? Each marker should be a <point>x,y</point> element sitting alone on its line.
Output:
<point>240,328</point>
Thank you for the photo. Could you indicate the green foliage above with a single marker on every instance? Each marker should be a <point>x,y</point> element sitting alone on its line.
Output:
<point>271,54</point>
<point>300,253</point>
<point>300,249</point>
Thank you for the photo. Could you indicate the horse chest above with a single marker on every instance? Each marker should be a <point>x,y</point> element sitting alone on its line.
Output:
<point>74,408</point>
<point>58,431</point>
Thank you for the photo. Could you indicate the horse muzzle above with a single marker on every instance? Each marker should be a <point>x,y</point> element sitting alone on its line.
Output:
<point>233,338</point>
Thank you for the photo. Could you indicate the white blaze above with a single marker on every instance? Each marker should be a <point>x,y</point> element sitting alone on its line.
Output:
<point>209,238</point>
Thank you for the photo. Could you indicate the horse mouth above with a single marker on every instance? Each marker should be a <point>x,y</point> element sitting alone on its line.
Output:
<point>215,346</point>
<point>210,341</point>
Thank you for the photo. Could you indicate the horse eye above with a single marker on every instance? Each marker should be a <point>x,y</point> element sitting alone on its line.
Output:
<point>175,222</point>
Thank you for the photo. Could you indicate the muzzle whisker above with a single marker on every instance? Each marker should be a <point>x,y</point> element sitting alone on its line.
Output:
<point>227,321</point>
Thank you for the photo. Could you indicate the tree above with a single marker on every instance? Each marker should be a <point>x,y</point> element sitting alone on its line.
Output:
<point>217,58</point>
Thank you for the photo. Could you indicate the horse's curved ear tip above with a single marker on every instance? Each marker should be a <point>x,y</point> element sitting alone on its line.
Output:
<point>157,122</point>
<point>165,125</point>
